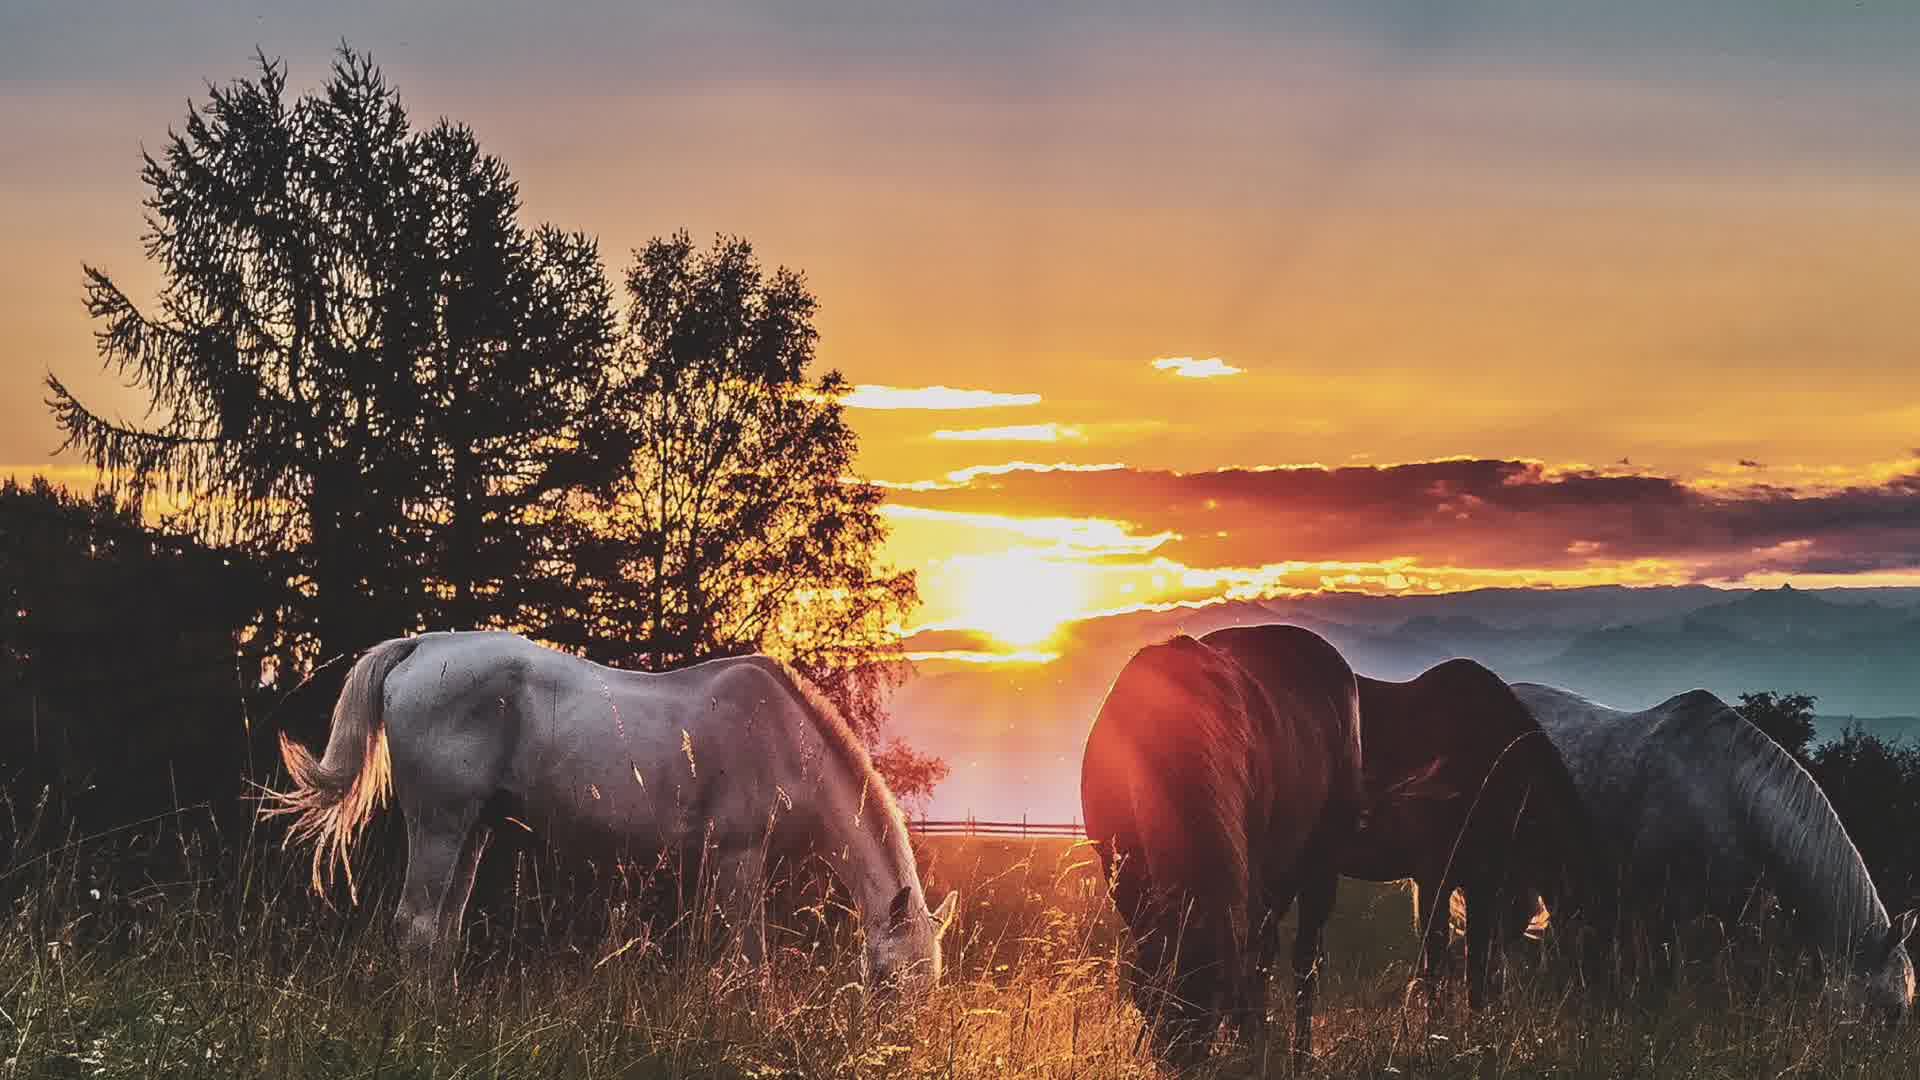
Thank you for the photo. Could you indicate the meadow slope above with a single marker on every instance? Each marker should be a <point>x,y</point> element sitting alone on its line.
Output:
<point>197,966</point>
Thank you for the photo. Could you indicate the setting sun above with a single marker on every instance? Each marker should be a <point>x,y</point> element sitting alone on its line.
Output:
<point>1021,598</point>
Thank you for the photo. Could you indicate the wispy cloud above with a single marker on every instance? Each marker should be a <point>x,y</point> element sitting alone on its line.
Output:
<point>959,478</point>
<point>1187,367</point>
<point>1049,432</point>
<point>973,472</point>
<point>1073,537</point>
<point>870,396</point>
<point>1749,476</point>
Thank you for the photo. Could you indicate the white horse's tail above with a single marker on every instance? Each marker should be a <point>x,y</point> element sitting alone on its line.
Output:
<point>334,798</point>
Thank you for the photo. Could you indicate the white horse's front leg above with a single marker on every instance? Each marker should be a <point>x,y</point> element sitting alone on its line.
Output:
<point>739,890</point>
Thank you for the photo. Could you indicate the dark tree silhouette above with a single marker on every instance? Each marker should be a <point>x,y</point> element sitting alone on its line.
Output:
<point>1786,718</point>
<point>361,364</point>
<point>740,526</point>
<point>130,661</point>
<point>367,377</point>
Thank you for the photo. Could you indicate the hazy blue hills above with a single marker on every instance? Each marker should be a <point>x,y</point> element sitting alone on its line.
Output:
<point>1858,657</point>
<point>1013,733</point>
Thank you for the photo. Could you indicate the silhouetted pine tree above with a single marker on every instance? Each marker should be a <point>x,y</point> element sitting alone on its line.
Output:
<point>360,362</point>
<point>365,373</point>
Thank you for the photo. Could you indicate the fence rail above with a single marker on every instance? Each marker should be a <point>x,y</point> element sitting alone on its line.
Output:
<point>1070,830</point>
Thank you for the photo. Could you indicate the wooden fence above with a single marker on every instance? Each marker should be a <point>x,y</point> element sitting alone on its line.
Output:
<point>970,826</point>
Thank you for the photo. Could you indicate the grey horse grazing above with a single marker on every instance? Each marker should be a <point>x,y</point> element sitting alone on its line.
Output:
<point>1698,809</point>
<point>734,763</point>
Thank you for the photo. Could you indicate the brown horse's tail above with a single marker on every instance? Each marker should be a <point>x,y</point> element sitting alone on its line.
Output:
<point>334,798</point>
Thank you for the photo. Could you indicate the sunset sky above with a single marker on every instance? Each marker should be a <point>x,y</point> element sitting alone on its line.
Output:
<point>1149,308</point>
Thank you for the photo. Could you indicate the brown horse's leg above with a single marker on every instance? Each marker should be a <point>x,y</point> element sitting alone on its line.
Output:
<point>1153,923</point>
<point>1485,908</point>
<point>1263,953</point>
<point>1169,979</point>
<point>1203,984</point>
<point>1316,903</point>
<point>1436,930</point>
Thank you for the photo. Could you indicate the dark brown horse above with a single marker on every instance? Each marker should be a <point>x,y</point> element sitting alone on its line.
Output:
<point>1467,793</point>
<point>1217,791</point>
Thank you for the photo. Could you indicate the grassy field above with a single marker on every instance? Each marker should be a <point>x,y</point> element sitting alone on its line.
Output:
<point>107,970</point>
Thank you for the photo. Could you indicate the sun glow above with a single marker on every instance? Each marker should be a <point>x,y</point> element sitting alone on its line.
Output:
<point>1021,598</point>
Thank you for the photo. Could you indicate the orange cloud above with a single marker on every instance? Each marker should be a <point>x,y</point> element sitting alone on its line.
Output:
<point>1472,513</point>
<point>974,472</point>
<point>1211,368</point>
<point>1049,432</point>
<point>870,396</point>
<point>1135,537</point>
<point>1077,537</point>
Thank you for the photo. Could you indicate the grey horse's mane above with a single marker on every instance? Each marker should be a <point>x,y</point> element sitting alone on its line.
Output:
<point>1816,863</point>
<point>1813,862</point>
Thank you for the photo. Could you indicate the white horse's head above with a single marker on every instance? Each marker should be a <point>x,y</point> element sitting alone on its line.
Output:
<point>1883,982</point>
<point>904,956</point>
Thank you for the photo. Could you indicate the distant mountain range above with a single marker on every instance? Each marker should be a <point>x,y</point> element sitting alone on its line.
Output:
<point>1013,732</point>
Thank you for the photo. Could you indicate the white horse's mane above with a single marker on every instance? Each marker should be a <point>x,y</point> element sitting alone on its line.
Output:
<point>840,738</point>
<point>1814,859</point>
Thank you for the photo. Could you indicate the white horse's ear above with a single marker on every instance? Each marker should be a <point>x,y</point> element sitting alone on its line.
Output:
<point>1903,926</point>
<point>943,915</point>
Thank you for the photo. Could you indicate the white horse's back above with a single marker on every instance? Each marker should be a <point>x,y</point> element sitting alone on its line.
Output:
<point>642,760</point>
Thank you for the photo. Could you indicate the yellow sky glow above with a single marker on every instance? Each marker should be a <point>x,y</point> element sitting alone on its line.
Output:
<point>1370,238</point>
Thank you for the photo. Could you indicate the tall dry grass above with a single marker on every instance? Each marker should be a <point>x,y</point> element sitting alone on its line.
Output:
<point>188,953</point>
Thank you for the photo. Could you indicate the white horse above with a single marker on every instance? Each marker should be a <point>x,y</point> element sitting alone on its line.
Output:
<point>736,764</point>
<point>1699,811</point>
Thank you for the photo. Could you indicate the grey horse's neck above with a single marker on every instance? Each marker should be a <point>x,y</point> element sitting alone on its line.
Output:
<point>867,841</point>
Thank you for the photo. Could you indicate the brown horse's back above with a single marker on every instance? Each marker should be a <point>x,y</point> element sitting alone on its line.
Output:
<point>1464,790</point>
<point>1454,763</point>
